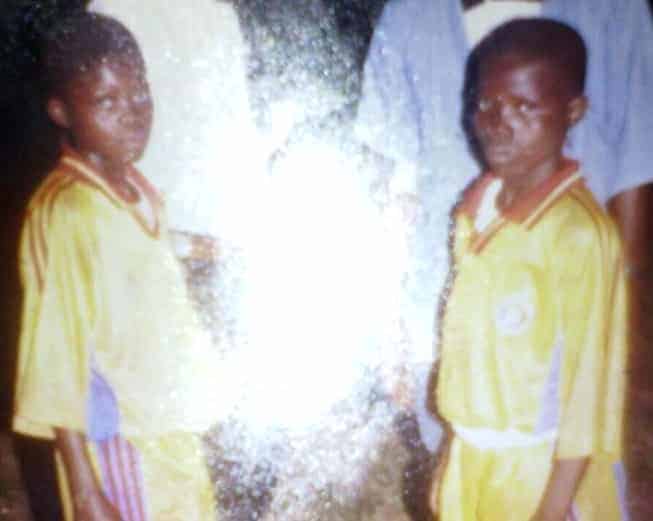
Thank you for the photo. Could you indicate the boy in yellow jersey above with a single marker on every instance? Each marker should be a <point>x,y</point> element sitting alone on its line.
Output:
<point>113,364</point>
<point>531,377</point>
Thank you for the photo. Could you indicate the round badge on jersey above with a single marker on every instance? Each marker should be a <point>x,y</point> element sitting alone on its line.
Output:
<point>514,313</point>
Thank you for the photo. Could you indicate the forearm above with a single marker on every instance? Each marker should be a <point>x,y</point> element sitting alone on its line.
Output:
<point>76,460</point>
<point>633,212</point>
<point>89,501</point>
<point>561,489</point>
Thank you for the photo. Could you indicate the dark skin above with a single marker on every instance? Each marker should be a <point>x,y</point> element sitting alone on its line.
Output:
<point>89,501</point>
<point>524,112</point>
<point>106,115</point>
<point>632,210</point>
<point>109,124</point>
<point>526,107</point>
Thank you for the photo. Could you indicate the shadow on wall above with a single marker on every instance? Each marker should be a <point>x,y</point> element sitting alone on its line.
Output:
<point>28,147</point>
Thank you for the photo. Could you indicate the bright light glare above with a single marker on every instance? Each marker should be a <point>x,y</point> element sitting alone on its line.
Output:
<point>320,296</point>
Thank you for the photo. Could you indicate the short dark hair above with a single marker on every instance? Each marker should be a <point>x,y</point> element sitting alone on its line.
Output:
<point>79,42</point>
<point>536,38</point>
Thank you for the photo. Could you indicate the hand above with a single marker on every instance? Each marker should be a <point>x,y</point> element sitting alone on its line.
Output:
<point>556,503</point>
<point>95,506</point>
<point>89,503</point>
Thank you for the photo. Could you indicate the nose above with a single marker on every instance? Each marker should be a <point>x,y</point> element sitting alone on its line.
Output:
<point>499,120</point>
<point>135,111</point>
<point>130,121</point>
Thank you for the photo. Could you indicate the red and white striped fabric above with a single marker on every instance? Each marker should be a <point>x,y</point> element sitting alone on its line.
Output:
<point>122,477</point>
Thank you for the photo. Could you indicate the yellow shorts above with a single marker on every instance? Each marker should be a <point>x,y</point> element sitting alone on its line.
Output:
<point>507,485</point>
<point>160,479</point>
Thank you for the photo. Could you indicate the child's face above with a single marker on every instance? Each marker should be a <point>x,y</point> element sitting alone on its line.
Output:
<point>107,110</point>
<point>523,114</point>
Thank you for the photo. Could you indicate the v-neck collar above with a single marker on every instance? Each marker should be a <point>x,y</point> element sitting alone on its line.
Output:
<point>85,172</point>
<point>526,211</point>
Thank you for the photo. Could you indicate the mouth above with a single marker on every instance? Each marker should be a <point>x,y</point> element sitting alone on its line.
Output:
<point>137,134</point>
<point>134,146</point>
<point>498,151</point>
<point>136,138</point>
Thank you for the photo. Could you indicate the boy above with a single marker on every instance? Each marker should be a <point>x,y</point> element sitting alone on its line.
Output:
<point>533,343</point>
<point>113,364</point>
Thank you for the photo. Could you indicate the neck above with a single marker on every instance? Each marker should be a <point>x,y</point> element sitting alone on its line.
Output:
<point>113,172</point>
<point>517,184</point>
<point>115,175</point>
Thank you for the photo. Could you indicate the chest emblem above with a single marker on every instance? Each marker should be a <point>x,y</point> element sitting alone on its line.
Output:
<point>514,313</point>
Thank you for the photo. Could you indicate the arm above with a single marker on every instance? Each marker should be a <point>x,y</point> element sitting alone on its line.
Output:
<point>591,298</point>
<point>590,292</point>
<point>633,211</point>
<point>561,489</point>
<point>630,55</point>
<point>89,502</point>
<point>58,246</point>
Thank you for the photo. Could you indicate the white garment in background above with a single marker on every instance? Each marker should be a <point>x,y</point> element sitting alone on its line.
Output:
<point>203,134</point>
<point>486,16</point>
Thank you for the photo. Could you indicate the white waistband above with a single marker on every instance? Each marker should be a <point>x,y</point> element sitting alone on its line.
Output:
<point>497,440</point>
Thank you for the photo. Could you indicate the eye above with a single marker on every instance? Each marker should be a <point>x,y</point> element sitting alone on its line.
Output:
<point>141,97</point>
<point>105,102</point>
<point>525,107</point>
<point>484,105</point>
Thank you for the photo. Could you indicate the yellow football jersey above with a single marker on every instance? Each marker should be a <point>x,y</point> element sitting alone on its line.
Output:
<point>104,298</point>
<point>533,341</point>
<point>103,291</point>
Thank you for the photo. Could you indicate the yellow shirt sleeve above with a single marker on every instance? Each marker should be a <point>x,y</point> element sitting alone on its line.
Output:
<point>592,301</point>
<point>56,259</point>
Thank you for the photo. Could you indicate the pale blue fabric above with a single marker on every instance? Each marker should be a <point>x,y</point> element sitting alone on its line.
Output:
<point>411,108</point>
<point>621,481</point>
<point>416,62</point>
<point>549,417</point>
<point>103,416</point>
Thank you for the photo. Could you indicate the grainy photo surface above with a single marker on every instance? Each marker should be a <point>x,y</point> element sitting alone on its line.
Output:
<point>326,260</point>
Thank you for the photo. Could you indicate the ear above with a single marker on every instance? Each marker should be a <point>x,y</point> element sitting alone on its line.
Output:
<point>58,112</point>
<point>576,109</point>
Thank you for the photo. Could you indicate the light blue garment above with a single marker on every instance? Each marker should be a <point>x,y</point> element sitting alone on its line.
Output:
<point>411,101</point>
<point>103,416</point>
<point>411,109</point>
